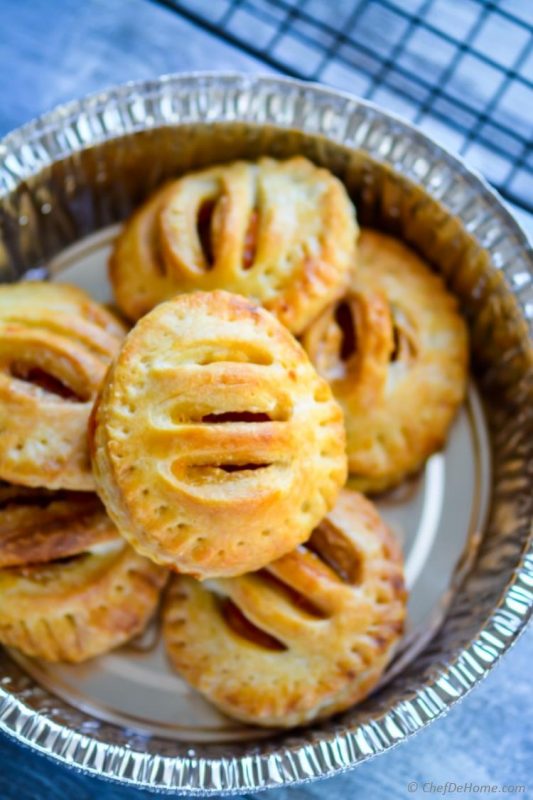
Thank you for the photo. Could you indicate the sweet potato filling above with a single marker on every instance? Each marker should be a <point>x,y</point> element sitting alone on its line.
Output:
<point>293,596</point>
<point>345,321</point>
<point>236,416</point>
<point>204,229</point>
<point>49,383</point>
<point>250,240</point>
<point>241,625</point>
<point>337,553</point>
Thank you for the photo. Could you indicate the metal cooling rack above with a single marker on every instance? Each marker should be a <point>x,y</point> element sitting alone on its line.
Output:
<point>461,69</point>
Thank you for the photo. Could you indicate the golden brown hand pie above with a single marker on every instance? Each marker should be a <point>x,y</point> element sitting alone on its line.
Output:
<point>55,347</point>
<point>70,586</point>
<point>216,445</point>
<point>395,352</point>
<point>280,232</point>
<point>303,638</point>
<point>38,526</point>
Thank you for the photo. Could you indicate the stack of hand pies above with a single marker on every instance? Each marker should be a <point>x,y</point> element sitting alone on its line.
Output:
<point>280,363</point>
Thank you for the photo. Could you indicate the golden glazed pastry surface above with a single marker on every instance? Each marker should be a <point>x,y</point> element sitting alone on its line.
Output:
<point>280,232</point>
<point>38,526</point>
<point>216,446</point>
<point>395,352</point>
<point>78,589</point>
<point>55,347</point>
<point>303,638</point>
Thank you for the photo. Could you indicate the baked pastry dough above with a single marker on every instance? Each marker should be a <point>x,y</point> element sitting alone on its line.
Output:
<point>303,638</point>
<point>395,352</point>
<point>55,347</point>
<point>216,446</point>
<point>38,526</point>
<point>280,232</point>
<point>70,586</point>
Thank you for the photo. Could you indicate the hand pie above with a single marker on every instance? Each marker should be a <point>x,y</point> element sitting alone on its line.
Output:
<point>38,526</point>
<point>395,353</point>
<point>55,347</point>
<point>280,232</point>
<point>216,446</point>
<point>303,638</point>
<point>70,587</point>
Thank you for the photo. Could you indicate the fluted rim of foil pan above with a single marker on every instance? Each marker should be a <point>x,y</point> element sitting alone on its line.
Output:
<point>346,120</point>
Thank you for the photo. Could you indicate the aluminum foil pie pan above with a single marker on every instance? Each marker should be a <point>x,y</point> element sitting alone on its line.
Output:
<point>66,181</point>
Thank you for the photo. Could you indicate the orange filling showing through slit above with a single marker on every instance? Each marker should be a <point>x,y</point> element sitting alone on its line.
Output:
<point>44,380</point>
<point>239,624</point>
<point>242,467</point>
<point>345,321</point>
<point>337,554</point>
<point>204,228</point>
<point>250,241</point>
<point>294,597</point>
<point>236,416</point>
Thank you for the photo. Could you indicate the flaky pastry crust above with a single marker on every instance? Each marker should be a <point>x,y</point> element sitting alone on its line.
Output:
<point>280,232</point>
<point>305,637</point>
<point>216,446</point>
<point>39,526</point>
<point>55,346</point>
<point>395,352</point>
<point>70,587</point>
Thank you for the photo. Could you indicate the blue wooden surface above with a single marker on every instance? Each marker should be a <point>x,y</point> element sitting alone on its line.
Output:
<point>51,52</point>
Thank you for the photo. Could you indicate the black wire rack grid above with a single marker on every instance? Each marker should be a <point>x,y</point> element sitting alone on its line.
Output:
<point>461,69</point>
